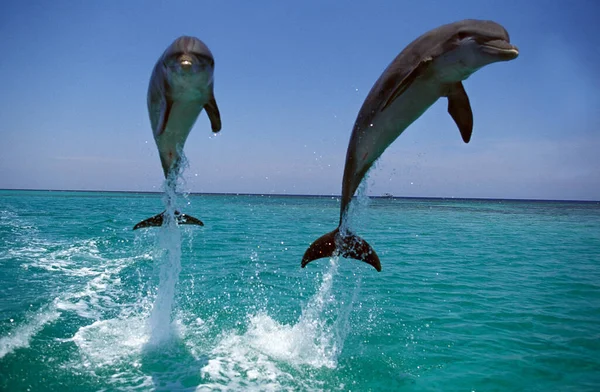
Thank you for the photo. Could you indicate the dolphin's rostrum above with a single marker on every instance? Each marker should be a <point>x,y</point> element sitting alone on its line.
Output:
<point>181,86</point>
<point>432,66</point>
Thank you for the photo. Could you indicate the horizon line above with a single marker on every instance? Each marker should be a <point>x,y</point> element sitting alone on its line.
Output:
<point>383,196</point>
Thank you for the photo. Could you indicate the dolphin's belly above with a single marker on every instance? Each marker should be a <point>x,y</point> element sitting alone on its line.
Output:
<point>182,117</point>
<point>386,126</point>
<point>370,139</point>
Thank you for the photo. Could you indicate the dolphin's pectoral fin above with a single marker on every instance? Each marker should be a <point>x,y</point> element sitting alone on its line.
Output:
<point>212,110</point>
<point>158,220</point>
<point>460,110</point>
<point>349,246</point>
<point>165,111</point>
<point>406,82</point>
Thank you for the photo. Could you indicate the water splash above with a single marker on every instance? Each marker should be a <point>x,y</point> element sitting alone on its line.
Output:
<point>21,336</point>
<point>159,322</point>
<point>260,358</point>
<point>355,216</point>
<point>317,324</point>
<point>169,241</point>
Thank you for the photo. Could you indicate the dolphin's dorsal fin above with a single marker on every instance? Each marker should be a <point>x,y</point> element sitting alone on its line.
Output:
<point>460,110</point>
<point>212,110</point>
<point>406,82</point>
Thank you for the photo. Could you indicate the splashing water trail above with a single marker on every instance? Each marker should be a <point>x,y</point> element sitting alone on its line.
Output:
<point>323,324</point>
<point>318,337</point>
<point>254,360</point>
<point>169,241</point>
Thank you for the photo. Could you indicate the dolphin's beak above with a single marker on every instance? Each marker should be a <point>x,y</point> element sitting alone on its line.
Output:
<point>501,48</point>
<point>185,62</point>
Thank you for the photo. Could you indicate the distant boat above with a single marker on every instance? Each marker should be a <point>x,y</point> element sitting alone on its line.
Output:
<point>387,196</point>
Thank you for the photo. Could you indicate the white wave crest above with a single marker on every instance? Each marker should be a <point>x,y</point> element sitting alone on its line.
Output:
<point>22,334</point>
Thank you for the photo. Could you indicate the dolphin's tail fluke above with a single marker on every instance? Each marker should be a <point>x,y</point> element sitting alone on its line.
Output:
<point>349,245</point>
<point>157,220</point>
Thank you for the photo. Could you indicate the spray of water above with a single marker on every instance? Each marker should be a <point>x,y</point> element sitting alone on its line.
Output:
<point>323,322</point>
<point>318,338</point>
<point>169,241</point>
<point>357,207</point>
<point>253,360</point>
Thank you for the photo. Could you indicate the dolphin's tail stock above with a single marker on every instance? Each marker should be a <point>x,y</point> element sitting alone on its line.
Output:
<point>157,220</point>
<point>348,245</point>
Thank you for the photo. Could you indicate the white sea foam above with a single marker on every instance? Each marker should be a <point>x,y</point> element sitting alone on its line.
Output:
<point>22,334</point>
<point>108,342</point>
<point>256,359</point>
<point>80,307</point>
<point>236,365</point>
<point>80,259</point>
<point>96,275</point>
<point>19,225</point>
<point>98,293</point>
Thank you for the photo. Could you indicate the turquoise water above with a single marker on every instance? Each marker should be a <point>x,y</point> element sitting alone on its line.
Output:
<point>473,296</point>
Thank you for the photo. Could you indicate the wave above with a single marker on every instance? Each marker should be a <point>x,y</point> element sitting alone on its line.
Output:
<point>21,336</point>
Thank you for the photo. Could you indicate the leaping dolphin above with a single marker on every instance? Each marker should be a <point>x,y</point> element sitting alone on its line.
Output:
<point>181,86</point>
<point>432,66</point>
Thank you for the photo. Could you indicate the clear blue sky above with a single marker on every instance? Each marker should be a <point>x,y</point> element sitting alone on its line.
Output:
<point>290,78</point>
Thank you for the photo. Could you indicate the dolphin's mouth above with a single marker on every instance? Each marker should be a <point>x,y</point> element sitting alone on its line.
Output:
<point>501,49</point>
<point>185,61</point>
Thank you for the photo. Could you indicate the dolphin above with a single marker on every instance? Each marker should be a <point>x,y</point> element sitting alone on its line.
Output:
<point>181,86</point>
<point>432,66</point>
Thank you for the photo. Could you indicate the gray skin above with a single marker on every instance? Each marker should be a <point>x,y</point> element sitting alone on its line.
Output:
<point>432,66</point>
<point>181,86</point>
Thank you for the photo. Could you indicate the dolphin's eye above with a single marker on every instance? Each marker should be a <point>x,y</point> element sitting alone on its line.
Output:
<point>206,59</point>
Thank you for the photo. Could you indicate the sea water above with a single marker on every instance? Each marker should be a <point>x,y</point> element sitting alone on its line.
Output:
<point>474,295</point>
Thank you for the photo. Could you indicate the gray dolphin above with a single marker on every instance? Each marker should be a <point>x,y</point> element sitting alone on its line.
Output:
<point>181,86</point>
<point>432,66</point>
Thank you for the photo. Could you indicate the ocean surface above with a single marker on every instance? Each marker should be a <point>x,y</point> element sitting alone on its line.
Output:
<point>474,295</point>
